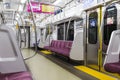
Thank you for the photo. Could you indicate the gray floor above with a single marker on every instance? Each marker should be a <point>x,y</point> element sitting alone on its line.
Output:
<point>44,69</point>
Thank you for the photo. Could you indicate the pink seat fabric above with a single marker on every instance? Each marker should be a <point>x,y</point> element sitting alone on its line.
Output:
<point>60,47</point>
<point>16,76</point>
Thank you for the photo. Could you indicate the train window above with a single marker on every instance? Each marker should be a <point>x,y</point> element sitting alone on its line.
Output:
<point>41,30</point>
<point>92,28</point>
<point>110,23</point>
<point>66,26</point>
<point>47,31</point>
<point>63,33</point>
<point>60,32</point>
<point>70,36</point>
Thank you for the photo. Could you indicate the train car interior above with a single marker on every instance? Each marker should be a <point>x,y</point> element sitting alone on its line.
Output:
<point>59,40</point>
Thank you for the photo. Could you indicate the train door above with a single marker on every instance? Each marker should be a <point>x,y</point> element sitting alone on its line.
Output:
<point>42,34</point>
<point>110,24</point>
<point>25,37</point>
<point>92,38</point>
<point>28,36</point>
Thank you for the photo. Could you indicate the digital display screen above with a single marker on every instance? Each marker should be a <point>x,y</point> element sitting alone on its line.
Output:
<point>93,22</point>
<point>110,20</point>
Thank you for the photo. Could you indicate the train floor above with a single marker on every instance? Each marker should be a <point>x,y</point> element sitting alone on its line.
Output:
<point>46,65</point>
<point>42,68</point>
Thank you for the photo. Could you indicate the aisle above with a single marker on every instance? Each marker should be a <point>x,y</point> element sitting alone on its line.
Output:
<point>44,69</point>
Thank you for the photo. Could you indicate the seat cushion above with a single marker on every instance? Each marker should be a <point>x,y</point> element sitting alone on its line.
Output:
<point>16,76</point>
<point>112,67</point>
<point>60,47</point>
<point>64,52</point>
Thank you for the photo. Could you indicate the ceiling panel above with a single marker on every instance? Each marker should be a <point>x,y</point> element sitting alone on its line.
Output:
<point>11,4</point>
<point>14,4</point>
<point>45,1</point>
<point>12,1</point>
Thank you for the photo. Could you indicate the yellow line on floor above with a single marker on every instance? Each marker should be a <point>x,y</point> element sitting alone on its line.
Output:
<point>95,73</point>
<point>102,69</point>
<point>46,52</point>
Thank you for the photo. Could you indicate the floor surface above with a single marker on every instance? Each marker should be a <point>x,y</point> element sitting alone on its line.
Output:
<point>44,69</point>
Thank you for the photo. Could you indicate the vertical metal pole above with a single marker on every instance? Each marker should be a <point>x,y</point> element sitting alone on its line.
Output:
<point>68,28</point>
<point>33,24</point>
<point>85,39</point>
<point>100,39</point>
<point>64,38</point>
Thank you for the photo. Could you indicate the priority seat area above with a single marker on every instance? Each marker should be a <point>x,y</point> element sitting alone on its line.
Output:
<point>60,47</point>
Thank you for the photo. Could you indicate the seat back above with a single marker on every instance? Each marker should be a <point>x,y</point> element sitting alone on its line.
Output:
<point>62,45</point>
<point>11,59</point>
<point>113,48</point>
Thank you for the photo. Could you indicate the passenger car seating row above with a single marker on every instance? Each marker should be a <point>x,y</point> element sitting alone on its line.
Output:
<point>60,47</point>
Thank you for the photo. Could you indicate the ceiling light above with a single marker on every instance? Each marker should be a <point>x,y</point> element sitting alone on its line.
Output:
<point>23,1</point>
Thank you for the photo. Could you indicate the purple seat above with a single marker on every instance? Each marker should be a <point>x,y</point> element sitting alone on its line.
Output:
<point>56,46</point>
<point>60,47</point>
<point>69,44</point>
<point>51,45</point>
<point>64,52</point>
<point>65,48</point>
<point>112,67</point>
<point>16,76</point>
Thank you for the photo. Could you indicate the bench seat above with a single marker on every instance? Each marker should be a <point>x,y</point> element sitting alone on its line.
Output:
<point>60,47</point>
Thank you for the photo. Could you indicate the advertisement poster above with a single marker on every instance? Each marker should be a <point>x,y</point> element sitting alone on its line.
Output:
<point>41,8</point>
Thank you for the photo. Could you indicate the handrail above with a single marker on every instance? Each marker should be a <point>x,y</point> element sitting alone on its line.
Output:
<point>68,26</point>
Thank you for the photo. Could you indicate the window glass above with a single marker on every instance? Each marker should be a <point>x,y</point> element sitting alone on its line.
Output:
<point>110,23</point>
<point>61,32</point>
<point>92,28</point>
